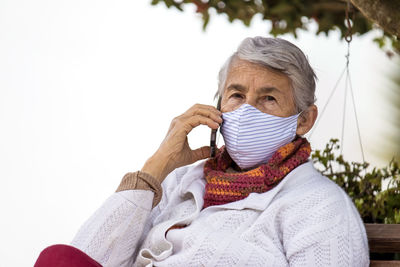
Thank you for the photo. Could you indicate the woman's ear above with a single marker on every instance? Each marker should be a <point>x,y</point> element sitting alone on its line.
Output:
<point>306,120</point>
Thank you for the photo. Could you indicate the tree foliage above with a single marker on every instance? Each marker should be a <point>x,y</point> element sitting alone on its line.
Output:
<point>374,203</point>
<point>288,16</point>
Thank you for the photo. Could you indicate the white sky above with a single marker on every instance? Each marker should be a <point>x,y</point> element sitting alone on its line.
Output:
<point>88,89</point>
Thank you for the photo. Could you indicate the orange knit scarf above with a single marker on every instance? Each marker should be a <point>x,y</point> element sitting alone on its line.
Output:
<point>223,187</point>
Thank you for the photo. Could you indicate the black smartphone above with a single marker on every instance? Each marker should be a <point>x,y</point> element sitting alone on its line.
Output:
<point>213,138</point>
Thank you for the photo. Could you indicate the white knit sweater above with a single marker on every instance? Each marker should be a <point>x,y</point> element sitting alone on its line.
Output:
<point>306,220</point>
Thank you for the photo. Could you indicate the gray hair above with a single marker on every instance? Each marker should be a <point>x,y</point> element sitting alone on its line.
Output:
<point>280,55</point>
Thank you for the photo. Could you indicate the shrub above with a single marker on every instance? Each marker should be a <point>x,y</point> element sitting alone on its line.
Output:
<point>364,186</point>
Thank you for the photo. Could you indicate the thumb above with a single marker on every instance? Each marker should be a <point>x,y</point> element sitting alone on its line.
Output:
<point>201,153</point>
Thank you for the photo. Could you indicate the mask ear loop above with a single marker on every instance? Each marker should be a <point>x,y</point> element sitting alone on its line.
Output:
<point>298,115</point>
<point>301,112</point>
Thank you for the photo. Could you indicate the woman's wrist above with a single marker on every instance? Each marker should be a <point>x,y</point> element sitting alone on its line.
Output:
<point>157,167</point>
<point>141,181</point>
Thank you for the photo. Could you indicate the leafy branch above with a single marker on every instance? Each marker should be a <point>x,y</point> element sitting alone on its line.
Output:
<point>288,16</point>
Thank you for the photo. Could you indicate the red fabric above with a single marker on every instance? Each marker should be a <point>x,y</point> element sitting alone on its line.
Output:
<point>64,256</point>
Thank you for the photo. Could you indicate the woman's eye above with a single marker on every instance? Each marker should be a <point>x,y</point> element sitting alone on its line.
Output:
<point>237,95</point>
<point>270,98</point>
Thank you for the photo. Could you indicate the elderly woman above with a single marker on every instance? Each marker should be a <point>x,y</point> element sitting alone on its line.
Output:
<point>258,202</point>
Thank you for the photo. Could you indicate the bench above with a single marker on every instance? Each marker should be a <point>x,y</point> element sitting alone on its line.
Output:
<point>383,238</point>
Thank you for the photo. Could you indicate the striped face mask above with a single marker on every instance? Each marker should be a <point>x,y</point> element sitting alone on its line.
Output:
<point>251,137</point>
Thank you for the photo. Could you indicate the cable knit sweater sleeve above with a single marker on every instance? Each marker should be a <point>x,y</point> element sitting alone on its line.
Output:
<point>113,233</point>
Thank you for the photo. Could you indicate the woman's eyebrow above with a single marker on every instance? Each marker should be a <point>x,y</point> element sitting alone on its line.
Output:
<point>268,90</point>
<point>236,87</point>
<point>262,90</point>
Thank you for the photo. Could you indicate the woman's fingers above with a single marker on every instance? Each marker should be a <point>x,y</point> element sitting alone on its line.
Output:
<point>200,153</point>
<point>197,120</point>
<point>175,142</point>
<point>205,110</point>
<point>195,116</point>
<point>212,115</point>
<point>174,151</point>
<point>185,124</point>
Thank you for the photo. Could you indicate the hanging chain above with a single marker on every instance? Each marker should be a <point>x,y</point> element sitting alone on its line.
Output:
<point>348,87</point>
<point>355,115</point>
<point>349,37</point>
<point>321,114</point>
<point>344,107</point>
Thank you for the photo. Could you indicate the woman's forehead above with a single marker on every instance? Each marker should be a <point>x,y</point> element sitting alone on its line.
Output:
<point>243,74</point>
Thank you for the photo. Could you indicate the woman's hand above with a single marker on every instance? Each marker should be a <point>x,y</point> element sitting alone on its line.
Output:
<point>175,151</point>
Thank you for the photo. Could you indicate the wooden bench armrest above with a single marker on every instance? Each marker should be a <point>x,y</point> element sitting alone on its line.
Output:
<point>384,263</point>
<point>383,238</point>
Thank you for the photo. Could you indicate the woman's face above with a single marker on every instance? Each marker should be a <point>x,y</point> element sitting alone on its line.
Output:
<point>249,83</point>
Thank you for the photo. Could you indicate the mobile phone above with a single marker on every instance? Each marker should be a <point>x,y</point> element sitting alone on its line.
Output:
<point>213,138</point>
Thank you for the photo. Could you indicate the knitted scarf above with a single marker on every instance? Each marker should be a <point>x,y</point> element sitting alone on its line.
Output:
<point>223,187</point>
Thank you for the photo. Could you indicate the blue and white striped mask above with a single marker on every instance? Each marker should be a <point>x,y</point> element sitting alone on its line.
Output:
<point>251,136</point>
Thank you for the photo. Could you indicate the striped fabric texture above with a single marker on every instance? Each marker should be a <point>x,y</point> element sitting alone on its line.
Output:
<point>251,136</point>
